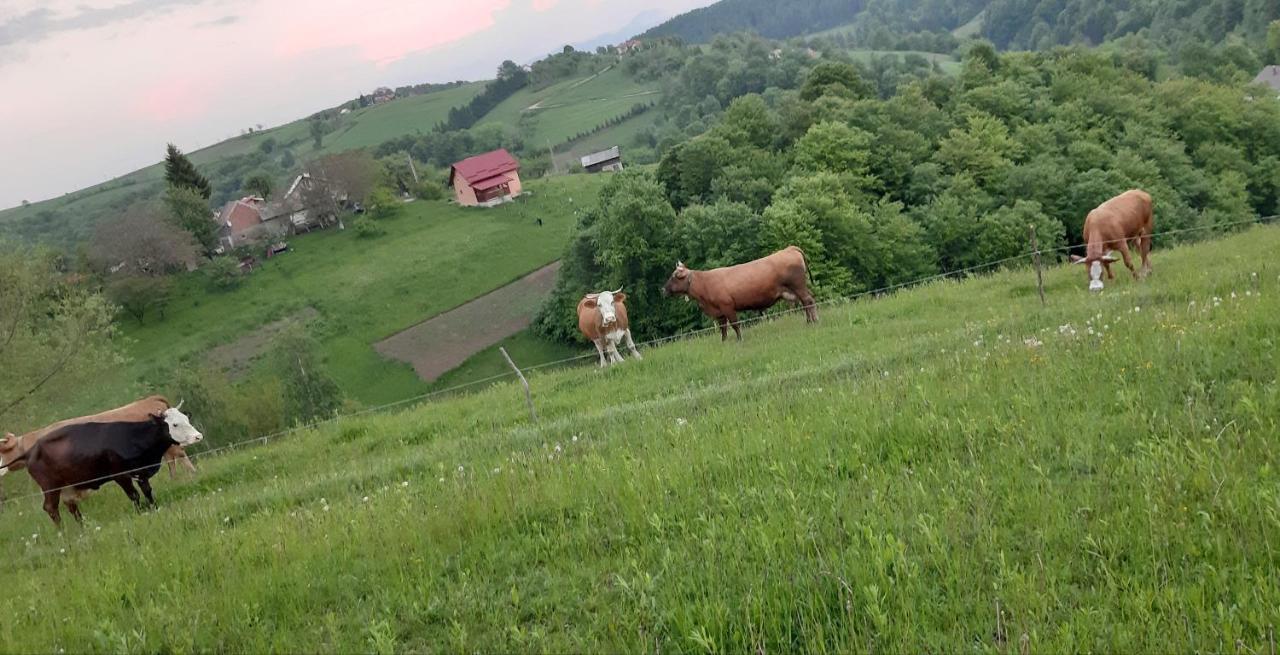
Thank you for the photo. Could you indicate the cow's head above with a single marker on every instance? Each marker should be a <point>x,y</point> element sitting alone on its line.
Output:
<point>679,281</point>
<point>178,426</point>
<point>8,450</point>
<point>603,302</point>
<point>1094,263</point>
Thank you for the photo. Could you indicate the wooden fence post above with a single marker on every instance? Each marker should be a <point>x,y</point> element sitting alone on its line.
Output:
<point>1035,255</point>
<point>528,398</point>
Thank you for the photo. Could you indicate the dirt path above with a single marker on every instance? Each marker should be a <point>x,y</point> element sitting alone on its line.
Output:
<point>444,342</point>
<point>237,357</point>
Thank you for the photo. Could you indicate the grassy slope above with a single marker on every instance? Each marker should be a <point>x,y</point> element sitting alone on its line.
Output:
<point>363,127</point>
<point>435,256</point>
<point>879,482</point>
<point>622,134</point>
<point>573,106</point>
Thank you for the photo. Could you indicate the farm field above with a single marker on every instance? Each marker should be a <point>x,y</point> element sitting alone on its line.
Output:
<point>1100,473</point>
<point>622,134</point>
<point>573,106</point>
<point>434,257</point>
<point>377,123</point>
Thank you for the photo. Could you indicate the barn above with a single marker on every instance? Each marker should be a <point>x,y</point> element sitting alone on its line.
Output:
<point>485,180</point>
<point>605,160</point>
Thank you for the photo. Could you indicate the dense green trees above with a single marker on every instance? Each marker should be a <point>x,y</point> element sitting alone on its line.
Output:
<point>180,172</point>
<point>945,175</point>
<point>765,17</point>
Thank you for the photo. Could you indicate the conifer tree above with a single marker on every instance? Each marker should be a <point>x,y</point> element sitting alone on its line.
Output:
<point>180,172</point>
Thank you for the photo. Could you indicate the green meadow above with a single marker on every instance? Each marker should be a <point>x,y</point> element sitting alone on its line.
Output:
<point>352,292</point>
<point>572,106</point>
<point>949,468</point>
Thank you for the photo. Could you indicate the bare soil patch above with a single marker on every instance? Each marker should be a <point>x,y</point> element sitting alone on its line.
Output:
<point>444,342</point>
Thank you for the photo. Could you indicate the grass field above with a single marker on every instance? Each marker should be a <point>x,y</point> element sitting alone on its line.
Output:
<point>363,127</point>
<point>622,134</point>
<point>573,106</point>
<point>434,256</point>
<point>1103,470</point>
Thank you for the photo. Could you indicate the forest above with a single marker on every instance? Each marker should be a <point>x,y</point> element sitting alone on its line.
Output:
<point>944,174</point>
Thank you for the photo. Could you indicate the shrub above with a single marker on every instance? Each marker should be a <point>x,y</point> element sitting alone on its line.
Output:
<point>428,190</point>
<point>223,274</point>
<point>367,228</point>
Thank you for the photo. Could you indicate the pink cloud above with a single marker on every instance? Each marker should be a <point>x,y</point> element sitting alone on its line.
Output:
<point>545,5</point>
<point>382,34</point>
<point>169,100</point>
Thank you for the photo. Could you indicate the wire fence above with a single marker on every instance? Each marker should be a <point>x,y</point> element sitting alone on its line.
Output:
<point>263,439</point>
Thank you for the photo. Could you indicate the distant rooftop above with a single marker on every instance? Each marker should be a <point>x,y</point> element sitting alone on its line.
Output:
<point>603,155</point>
<point>1269,76</point>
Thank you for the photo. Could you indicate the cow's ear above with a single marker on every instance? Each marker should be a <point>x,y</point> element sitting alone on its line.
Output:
<point>591,302</point>
<point>1077,259</point>
<point>1110,259</point>
<point>619,297</point>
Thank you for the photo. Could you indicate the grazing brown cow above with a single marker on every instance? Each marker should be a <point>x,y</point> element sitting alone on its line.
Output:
<point>755,285</point>
<point>1114,224</point>
<point>602,317</point>
<point>12,447</point>
<point>73,460</point>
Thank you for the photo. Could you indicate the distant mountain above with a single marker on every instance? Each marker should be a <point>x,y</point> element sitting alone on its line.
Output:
<point>642,21</point>
<point>769,18</point>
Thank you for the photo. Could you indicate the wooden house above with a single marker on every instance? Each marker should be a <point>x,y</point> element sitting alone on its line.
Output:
<point>485,180</point>
<point>605,160</point>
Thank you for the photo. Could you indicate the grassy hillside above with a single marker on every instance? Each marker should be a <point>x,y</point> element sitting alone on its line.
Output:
<point>77,212</point>
<point>352,292</point>
<point>1102,470</point>
<point>558,112</point>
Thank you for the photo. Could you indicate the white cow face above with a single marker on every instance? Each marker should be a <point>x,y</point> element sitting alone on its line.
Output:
<point>180,428</point>
<point>1095,265</point>
<point>604,302</point>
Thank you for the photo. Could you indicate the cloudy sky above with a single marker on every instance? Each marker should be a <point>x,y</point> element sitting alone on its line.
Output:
<point>94,88</point>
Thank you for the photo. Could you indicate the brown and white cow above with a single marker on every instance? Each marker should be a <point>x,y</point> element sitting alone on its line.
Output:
<point>755,285</point>
<point>73,460</point>
<point>1113,225</point>
<point>602,318</point>
<point>12,447</point>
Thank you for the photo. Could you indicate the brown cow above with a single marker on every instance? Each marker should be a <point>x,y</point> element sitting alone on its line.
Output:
<point>1114,224</point>
<point>755,285</point>
<point>12,447</point>
<point>602,317</point>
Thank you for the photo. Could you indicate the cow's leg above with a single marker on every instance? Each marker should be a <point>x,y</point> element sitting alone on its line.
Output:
<point>614,356</point>
<point>631,345</point>
<point>733,320</point>
<point>51,499</point>
<point>126,483</point>
<point>810,307</point>
<point>73,506</point>
<point>599,351</point>
<point>724,328</point>
<point>173,467</point>
<point>190,466</point>
<point>1144,248</point>
<point>1123,246</point>
<point>1106,266</point>
<point>145,484</point>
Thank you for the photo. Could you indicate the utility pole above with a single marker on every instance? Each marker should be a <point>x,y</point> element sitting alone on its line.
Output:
<point>551,151</point>
<point>411,167</point>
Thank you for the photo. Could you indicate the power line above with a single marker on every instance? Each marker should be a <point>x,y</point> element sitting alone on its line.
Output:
<point>652,342</point>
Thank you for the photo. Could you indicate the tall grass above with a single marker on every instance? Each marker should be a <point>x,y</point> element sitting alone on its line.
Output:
<point>1101,469</point>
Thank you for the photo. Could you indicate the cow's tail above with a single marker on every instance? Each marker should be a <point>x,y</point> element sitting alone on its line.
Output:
<point>804,259</point>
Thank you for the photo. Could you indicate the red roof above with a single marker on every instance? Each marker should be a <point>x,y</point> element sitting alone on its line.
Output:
<point>481,168</point>
<point>495,181</point>
<point>239,216</point>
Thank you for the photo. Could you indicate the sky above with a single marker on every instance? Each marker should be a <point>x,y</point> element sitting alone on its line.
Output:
<point>93,89</point>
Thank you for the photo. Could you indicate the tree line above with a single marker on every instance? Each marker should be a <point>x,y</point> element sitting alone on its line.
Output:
<point>945,174</point>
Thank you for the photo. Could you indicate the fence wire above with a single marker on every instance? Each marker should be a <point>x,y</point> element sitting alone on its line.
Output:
<point>651,342</point>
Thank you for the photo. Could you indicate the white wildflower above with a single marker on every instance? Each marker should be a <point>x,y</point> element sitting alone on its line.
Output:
<point>365,499</point>
<point>681,422</point>
<point>575,438</point>
<point>441,479</point>
<point>405,483</point>
<point>1137,310</point>
<point>497,470</point>
<point>558,449</point>
<point>1233,295</point>
<point>460,469</point>
<point>1031,343</point>
<point>226,519</point>
<point>33,536</point>
<point>97,528</point>
<point>326,508</point>
<point>62,551</point>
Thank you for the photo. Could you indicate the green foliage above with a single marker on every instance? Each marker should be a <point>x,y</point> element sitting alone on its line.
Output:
<point>259,184</point>
<point>189,212</point>
<point>771,19</point>
<point>309,392</point>
<point>56,336</point>
<point>139,295</point>
<point>366,227</point>
<point>834,78</point>
<point>179,172</point>
<point>223,274</point>
<point>429,190</point>
<point>317,128</point>
<point>383,203</point>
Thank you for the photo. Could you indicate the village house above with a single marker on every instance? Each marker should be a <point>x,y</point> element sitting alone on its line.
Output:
<point>383,94</point>
<point>605,160</point>
<point>627,47</point>
<point>1270,76</point>
<point>252,219</point>
<point>485,180</point>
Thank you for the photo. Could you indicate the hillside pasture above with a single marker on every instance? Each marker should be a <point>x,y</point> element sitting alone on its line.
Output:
<point>953,467</point>
<point>558,112</point>
<point>434,256</point>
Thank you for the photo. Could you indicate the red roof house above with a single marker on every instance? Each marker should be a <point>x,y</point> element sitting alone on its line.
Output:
<point>485,180</point>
